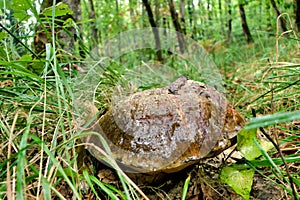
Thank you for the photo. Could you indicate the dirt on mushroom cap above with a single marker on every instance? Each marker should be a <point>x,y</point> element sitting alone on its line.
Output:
<point>167,129</point>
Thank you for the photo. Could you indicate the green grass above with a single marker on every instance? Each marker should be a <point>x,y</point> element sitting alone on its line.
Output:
<point>39,141</point>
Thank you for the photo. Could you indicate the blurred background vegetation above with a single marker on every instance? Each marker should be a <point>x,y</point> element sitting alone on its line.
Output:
<point>44,44</point>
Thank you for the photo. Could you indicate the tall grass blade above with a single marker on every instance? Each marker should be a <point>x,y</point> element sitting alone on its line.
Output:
<point>269,120</point>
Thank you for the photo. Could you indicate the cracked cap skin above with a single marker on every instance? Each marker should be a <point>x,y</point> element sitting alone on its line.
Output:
<point>167,129</point>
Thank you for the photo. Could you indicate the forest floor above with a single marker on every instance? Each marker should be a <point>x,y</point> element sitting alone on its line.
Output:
<point>250,72</point>
<point>204,183</point>
<point>242,71</point>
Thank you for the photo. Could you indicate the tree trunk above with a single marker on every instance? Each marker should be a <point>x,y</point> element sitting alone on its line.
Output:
<point>177,26</point>
<point>67,37</point>
<point>154,30</point>
<point>282,23</point>
<point>182,15</point>
<point>297,14</point>
<point>229,21</point>
<point>245,27</point>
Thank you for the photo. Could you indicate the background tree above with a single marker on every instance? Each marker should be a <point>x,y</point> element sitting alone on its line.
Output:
<point>245,27</point>
<point>39,150</point>
<point>229,21</point>
<point>182,16</point>
<point>66,33</point>
<point>221,17</point>
<point>155,31</point>
<point>282,23</point>
<point>297,14</point>
<point>177,25</point>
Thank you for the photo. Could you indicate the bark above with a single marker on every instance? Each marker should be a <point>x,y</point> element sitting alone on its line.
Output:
<point>75,7</point>
<point>297,14</point>
<point>245,27</point>
<point>282,23</point>
<point>154,30</point>
<point>177,25</point>
<point>67,36</point>
<point>229,22</point>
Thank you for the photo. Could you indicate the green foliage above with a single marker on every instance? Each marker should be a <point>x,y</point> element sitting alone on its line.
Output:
<point>273,119</point>
<point>185,187</point>
<point>19,8</point>
<point>108,190</point>
<point>36,123</point>
<point>61,9</point>
<point>247,144</point>
<point>240,180</point>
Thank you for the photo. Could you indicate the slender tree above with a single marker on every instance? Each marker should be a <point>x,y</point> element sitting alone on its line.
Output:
<point>68,36</point>
<point>282,23</point>
<point>182,15</point>
<point>154,30</point>
<point>245,27</point>
<point>68,39</point>
<point>297,14</point>
<point>229,21</point>
<point>177,25</point>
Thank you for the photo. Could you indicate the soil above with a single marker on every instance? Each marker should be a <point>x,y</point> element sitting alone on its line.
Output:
<point>204,183</point>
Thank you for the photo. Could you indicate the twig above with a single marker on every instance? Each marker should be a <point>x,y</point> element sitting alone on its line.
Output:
<point>276,90</point>
<point>19,41</point>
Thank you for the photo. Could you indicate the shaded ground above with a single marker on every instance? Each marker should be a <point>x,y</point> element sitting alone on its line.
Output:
<point>204,183</point>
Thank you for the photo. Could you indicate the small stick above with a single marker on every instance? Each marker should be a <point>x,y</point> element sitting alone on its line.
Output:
<point>19,41</point>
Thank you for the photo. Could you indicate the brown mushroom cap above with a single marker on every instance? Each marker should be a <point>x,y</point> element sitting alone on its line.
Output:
<point>167,129</point>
